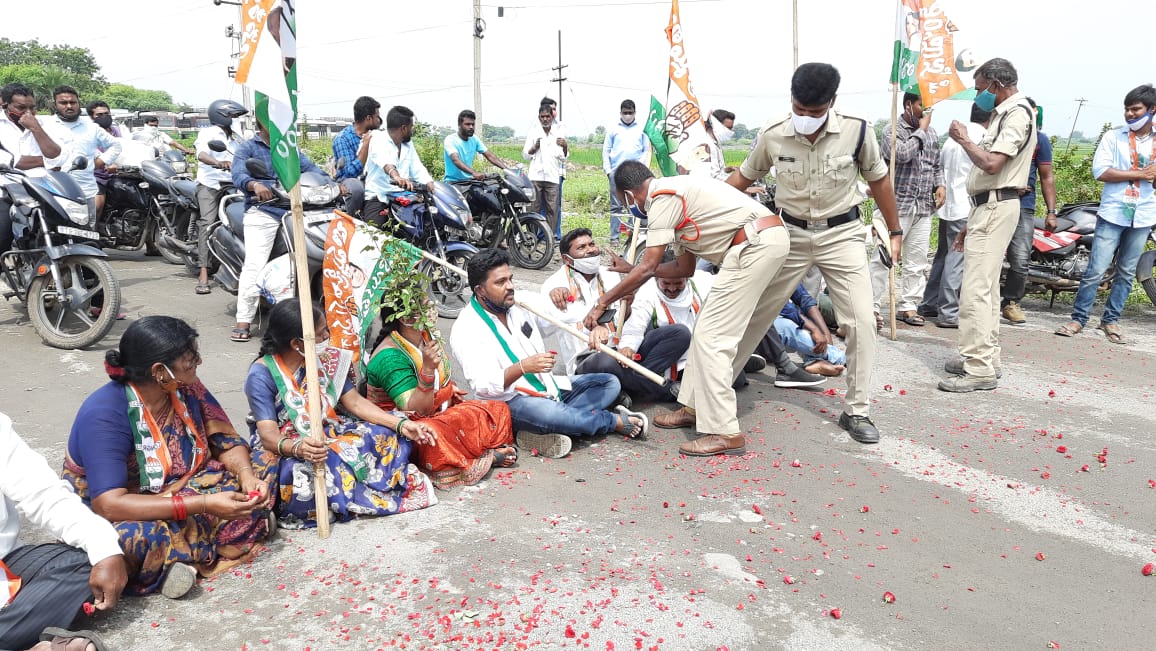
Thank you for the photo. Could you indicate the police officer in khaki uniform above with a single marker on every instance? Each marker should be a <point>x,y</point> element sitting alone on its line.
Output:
<point>819,156</point>
<point>706,218</point>
<point>1002,161</point>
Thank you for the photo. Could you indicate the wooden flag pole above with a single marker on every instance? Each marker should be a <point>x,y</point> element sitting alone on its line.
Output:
<point>309,336</point>
<point>565,327</point>
<point>894,137</point>
<point>620,317</point>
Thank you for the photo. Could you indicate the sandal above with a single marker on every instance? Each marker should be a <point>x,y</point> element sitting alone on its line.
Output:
<point>240,334</point>
<point>878,323</point>
<point>630,429</point>
<point>1112,332</point>
<point>62,639</point>
<point>203,288</point>
<point>910,318</point>
<point>505,456</point>
<point>1069,329</point>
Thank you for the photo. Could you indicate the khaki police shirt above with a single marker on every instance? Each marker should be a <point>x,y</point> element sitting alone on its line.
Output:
<point>1010,132</point>
<point>816,180</point>
<point>701,216</point>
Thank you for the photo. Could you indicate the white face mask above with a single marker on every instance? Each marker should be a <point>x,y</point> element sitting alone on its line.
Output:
<point>588,266</point>
<point>805,124</point>
<point>722,133</point>
<point>1140,122</point>
<point>684,300</point>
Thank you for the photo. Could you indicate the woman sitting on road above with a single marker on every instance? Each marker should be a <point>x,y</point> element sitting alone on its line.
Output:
<point>368,462</point>
<point>409,371</point>
<point>154,453</point>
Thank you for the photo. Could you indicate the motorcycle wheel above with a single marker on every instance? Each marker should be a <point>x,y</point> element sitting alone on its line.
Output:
<point>449,291</point>
<point>530,242</point>
<point>74,326</point>
<point>1146,273</point>
<point>171,256</point>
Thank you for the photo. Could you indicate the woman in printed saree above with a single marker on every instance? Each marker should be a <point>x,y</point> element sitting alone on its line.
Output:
<point>366,451</point>
<point>154,453</point>
<point>409,371</point>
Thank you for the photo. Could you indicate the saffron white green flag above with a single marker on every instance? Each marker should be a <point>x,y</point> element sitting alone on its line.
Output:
<point>683,127</point>
<point>269,66</point>
<point>924,61</point>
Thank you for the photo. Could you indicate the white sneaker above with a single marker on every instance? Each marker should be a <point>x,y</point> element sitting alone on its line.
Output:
<point>551,446</point>
<point>181,578</point>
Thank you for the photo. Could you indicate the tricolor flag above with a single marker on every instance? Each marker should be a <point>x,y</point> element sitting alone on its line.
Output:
<point>269,65</point>
<point>678,126</point>
<point>924,59</point>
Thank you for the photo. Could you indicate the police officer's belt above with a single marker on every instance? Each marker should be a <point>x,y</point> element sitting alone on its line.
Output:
<point>1002,194</point>
<point>759,225</point>
<point>832,222</point>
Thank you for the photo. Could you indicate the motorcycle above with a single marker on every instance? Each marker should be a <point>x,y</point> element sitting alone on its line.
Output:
<point>500,204</point>
<point>1146,267</point>
<point>174,200</point>
<point>1059,258</point>
<point>320,195</point>
<point>429,220</point>
<point>133,208</point>
<point>54,265</point>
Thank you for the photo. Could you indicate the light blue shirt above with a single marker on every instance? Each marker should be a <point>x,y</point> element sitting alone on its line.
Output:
<point>623,142</point>
<point>467,150</point>
<point>81,138</point>
<point>382,152</point>
<point>1114,152</point>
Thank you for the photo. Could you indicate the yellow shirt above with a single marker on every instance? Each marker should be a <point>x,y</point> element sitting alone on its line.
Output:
<point>716,211</point>
<point>1010,132</point>
<point>816,180</point>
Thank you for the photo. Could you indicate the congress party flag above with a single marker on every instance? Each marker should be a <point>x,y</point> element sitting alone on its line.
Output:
<point>268,65</point>
<point>924,59</point>
<point>683,129</point>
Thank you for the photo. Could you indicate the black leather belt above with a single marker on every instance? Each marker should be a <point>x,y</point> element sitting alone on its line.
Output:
<point>832,222</point>
<point>1002,194</point>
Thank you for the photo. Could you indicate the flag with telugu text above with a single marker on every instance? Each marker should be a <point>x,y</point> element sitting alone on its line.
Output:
<point>924,60</point>
<point>268,64</point>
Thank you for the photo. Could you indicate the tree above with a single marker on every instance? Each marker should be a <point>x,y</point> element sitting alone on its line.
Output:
<point>129,98</point>
<point>741,131</point>
<point>880,126</point>
<point>598,137</point>
<point>490,132</point>
<point>43,68</point>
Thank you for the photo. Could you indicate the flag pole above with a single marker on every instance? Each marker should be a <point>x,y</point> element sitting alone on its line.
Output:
<point>564,327</point>
<point>309,336</point>
<point>894,137</point>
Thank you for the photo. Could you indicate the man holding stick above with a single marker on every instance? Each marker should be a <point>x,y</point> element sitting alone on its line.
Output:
<point>499,346</point>
<point>704,217</point>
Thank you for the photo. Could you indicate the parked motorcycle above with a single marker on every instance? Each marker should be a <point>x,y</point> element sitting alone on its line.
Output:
<point>146,204</point>
<point>320,195</point>
<point>1147,267</point>
<point>1059,258</point>
<point>54,265</point>
<point>432,220</point>
<point>500,204</point>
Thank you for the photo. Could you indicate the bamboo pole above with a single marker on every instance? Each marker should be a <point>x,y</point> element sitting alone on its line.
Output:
<point>620,317</point>
<point>894,137</point>
<point>565,327</point>
<point>309,336</point>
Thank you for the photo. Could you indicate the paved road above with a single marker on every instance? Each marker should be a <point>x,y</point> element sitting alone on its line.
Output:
<point>624,545</point>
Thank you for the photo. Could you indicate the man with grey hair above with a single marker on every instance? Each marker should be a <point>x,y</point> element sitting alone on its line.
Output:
<point>1002,160</point>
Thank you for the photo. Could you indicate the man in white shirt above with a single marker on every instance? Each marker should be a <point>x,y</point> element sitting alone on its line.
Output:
<point>151,134</point>
<point>501,353</point>
<point>21,132</point>
<point>391,164</point>
<point>55,579</point>
<point>576,287</point>
<point>214,176</point>
<point>941,296</point>
<point>547,150</point>
<point>80,136</point>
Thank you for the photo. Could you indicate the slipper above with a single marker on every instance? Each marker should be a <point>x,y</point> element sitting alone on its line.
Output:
<point>203,288</point>
<point>1069,329</point>
<point>878,323</point>
<point>51,634</point>
<point>240,334</point>
<point>910,318</point>
<point>634,431</point>
<point>1112,332</point>
<point>505,459</point>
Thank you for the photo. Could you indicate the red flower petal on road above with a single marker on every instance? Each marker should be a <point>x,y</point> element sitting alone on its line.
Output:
<point>1053,645</point>
<point>1148,569</point>
<point>1062,449</point>
<point>836,613</point>
<point>818,535</point>
<point>1051,393</point>
<point>889,597</point>
<point>886,387</point>
<point>796,464</point>
<point>570,631</point>
<point>1084,468</point>
<point>903,392</point>
<point>864,508</point>
<point>789,580</point>
<point>1040,556</point>
<point>756,509</point>
<point>89,609</point>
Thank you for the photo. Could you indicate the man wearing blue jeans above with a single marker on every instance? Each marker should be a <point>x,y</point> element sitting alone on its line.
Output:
<point>1124,163</point>
<point>499,346</point>
<point>802,329</point>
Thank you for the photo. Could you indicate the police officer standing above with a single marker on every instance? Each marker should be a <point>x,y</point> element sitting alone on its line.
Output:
<point>1002,161</point>
<point>819,155</point>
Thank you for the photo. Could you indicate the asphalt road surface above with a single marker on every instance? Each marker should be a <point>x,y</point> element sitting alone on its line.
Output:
<point>988,533</point>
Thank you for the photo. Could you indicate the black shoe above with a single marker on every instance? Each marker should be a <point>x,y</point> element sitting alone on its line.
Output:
<point>623,400</point>
<point>859,427</point>
<point>755,363</point>
<point>798,378</point>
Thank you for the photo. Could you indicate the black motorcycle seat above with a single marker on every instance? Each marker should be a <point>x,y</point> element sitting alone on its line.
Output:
<point>1063,224</point>
<point>185,187</point>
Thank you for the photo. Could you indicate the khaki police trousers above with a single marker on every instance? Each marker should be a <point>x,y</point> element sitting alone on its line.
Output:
<point>738,312</point>
<point>989,231</point>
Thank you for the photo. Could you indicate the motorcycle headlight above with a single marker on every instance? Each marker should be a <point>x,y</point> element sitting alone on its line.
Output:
<point>531,194</point>
<point>77,212</point>
<point>320,195</point>
<point>180,167</point>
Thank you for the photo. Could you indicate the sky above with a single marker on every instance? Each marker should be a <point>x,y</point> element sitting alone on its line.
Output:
<point>420,54</point>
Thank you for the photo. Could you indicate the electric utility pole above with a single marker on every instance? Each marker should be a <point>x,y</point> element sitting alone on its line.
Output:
<point>559,78</point>
<point>479,33</point>
<point>1081,102</point>
<point>795,30</point>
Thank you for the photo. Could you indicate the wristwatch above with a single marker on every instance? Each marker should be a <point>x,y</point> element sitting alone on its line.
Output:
<point>1051,211</point>
<point>898,231</point>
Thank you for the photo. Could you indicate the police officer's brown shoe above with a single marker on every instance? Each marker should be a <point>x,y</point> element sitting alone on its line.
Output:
<point>1014,313</point>
<point>675,419</point>
<point>712,444</point>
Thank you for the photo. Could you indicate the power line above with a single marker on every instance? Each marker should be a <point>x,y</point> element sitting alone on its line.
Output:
<point>386,35</point>
<point>597,4</point>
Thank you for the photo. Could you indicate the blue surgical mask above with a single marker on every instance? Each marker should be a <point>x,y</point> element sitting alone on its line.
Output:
<point>634,209</point>
<point>985,99</point>
<point>1138,123</point>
